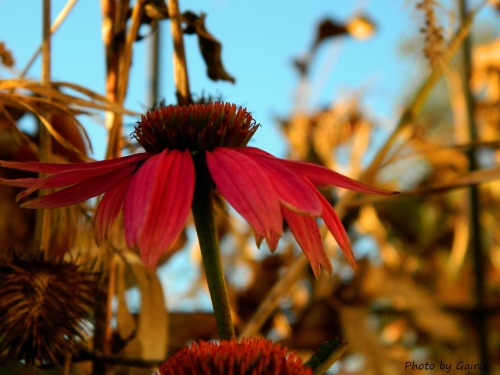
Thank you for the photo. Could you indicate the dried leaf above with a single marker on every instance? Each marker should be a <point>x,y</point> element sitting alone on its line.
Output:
<point>125,322</point>
<point>210,47</point>
<point>71,130</point>
<point>6,56</point>
<point>156,10</point>
<point>97,101</point>
<point>328,28</point>
<point>150,341</point>
<point>473,178</point>
<point>53,132</point>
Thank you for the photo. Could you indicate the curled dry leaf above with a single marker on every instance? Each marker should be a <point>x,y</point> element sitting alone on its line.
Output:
<point>359,27</point>
<point>328,28</point>
<point>210,47</point>
<point>147,338</point>
<point>6,56</point>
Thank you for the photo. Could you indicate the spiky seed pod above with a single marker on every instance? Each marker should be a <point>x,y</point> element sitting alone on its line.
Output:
<point>45,305</point>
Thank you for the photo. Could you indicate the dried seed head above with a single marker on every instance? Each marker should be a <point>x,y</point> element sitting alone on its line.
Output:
<point>45,305</point>
<point>433,31</point>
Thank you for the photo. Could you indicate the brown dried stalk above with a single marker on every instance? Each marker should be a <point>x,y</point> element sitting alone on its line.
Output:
<point>181,78</point>
<point>118,43</point>
<point>42,227</point>
<point>59,20</point>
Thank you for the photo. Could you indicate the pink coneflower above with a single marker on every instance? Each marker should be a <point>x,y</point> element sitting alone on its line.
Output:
<point>251,356</point>
<point>187,146</point>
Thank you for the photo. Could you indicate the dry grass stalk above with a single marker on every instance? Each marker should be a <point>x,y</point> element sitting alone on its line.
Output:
<point>42,226</point>
<point>58,21</point>
<point>181,78</point>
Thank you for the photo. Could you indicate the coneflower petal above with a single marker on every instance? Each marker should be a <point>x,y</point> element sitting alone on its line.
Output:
<point>170,204</point>
<point>80,192</point>
<point>103,165</point>
<point>158,183</point>
<point>306,232</point>
<point>322,176</point>
<point>138,199</point>
<point>334,225</point>
<point>272,241</point>
<point>19,182</point>
<point>246,186</point>
<point>67,174</point>
<point>293,190</point>
<point>108,209</point>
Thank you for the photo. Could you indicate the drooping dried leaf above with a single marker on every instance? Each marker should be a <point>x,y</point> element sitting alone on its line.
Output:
<point>40,92</point>
<point>210,47</point>
<point>72,131</point>
<point>328,28</point>
<point>150,341</point>
<point>126,326</point>
<point>6,56</point>
<point>156,9</point>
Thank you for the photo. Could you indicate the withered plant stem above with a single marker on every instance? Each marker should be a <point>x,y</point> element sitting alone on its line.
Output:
<point>119,57</point>
<point>476,246</point>
<point>42,226</point>
<point>181,78</point>
<point>58,21</point>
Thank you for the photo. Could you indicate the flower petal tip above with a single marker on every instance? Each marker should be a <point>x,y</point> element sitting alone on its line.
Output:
<point>27,204</point>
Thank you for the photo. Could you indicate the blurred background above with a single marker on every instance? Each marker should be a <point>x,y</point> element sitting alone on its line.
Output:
<point>401,94</point>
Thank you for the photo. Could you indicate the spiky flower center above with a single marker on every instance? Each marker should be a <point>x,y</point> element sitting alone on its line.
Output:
<point>251,356</point>
<point>196,127</point>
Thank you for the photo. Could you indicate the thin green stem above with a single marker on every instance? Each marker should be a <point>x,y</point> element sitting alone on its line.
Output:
<point>204,220</point>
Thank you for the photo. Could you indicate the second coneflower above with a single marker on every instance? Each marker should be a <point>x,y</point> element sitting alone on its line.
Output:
<point>250,356</point>
<point>189,145</point>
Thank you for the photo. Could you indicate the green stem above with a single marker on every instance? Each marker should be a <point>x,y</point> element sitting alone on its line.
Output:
<point>204,220</point>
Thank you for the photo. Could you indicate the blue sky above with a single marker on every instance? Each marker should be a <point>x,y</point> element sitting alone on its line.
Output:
<point>260,39</point>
